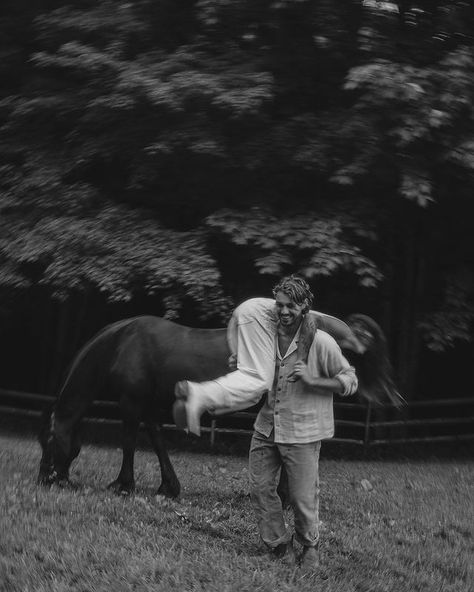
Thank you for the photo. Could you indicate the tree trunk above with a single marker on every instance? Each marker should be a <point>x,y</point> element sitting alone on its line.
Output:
<point>69,336</point>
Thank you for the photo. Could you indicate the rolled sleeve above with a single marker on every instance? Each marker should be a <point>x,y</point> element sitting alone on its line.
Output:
<point>334,364</point>
<point>348,379</point>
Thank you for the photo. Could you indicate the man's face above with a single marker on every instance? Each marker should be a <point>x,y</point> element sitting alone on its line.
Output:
<point>289,313</point>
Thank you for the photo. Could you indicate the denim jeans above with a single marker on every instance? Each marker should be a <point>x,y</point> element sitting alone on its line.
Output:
<point>301,462</point>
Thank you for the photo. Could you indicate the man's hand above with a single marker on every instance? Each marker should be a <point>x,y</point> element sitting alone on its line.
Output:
<point>232,362</point>
<point>300,370</point>
<point>325,385</point>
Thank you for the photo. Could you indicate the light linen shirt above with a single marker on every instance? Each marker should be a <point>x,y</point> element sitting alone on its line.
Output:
<point>297,412</point>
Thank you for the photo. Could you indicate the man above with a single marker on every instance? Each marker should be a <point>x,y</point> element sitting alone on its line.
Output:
<point>252,337</point>
<point>289,428</point>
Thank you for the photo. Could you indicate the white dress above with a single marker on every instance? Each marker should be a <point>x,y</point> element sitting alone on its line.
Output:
<point>251,334</point>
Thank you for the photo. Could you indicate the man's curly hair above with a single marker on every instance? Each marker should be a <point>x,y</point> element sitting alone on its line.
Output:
<point>296,288</point>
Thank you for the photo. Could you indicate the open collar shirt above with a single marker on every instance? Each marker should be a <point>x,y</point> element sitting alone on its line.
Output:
<point>297,412</point>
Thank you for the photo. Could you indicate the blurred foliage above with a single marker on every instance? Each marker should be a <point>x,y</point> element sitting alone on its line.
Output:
<point>314,246</point>
<point>69,238</point>
<point>313,134</point>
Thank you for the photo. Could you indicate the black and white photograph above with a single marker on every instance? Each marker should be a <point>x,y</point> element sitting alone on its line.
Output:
<point>236,296</point>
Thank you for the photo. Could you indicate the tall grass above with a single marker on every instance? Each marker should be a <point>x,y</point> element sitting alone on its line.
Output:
<point>387,526</point>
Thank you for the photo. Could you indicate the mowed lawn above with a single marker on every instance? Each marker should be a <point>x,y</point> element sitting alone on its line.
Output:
<point>401,526</point>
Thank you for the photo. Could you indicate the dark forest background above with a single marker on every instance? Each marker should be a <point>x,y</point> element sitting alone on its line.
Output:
<point>173,157</point>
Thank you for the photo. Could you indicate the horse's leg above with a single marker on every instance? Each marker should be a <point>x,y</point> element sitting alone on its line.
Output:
<point>283,489</point>
<point>75,448</point>
<point>125,482</point>
<point>170,485</point>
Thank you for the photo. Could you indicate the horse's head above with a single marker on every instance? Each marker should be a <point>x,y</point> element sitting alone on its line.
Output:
<point>59,448</point>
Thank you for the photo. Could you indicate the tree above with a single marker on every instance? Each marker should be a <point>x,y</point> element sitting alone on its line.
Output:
<point>151,106</point>
<point>417,123</point>
<point>149,147</point>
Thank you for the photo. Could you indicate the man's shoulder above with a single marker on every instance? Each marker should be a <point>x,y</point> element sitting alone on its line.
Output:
<point>322,339</point>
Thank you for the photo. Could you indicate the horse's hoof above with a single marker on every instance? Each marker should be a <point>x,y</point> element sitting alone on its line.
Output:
<point>64,483</point>
<point>120,489</point>
<point>73,485</point>
<point>44,481</point>
<point>169,491</point>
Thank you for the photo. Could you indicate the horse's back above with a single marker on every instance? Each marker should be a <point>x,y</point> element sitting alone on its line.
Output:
<point>153,349</point>
<point>143,357</point>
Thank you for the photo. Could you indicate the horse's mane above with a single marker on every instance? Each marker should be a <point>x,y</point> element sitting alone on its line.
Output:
<point>45,422</point>
<point>109,329</point>
<point>50,408</point>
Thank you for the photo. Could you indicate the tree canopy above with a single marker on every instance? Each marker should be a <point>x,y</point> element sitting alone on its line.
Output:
<point>331,138</point>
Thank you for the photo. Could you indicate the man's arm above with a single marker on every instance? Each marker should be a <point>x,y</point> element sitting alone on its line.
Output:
<point>329,385</point>
<point>337,375</point>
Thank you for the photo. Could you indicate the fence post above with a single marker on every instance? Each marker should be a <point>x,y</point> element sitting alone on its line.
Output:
<point>213,432</point>
<point>367,427</point>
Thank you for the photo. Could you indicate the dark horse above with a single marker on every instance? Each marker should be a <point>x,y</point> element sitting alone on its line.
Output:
<point>137,363</point>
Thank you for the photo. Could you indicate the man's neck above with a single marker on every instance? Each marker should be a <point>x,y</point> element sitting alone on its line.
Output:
<point>288,331</point>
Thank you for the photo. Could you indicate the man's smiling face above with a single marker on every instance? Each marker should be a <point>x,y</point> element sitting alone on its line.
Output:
<point>289,313</point>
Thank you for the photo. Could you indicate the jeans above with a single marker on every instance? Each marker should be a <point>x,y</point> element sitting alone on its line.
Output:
<point>301,462</point>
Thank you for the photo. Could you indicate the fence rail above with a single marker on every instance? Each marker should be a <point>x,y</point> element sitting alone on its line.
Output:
<point>440,420</point>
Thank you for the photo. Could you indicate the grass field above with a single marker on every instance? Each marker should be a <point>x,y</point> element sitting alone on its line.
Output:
<point>386,526</point>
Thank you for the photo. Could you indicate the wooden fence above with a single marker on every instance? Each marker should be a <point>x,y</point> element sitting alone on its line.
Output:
<point>356,423</point>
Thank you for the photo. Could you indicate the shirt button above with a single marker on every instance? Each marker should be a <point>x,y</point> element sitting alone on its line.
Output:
<point>278,400</point>
<point>276,412</point>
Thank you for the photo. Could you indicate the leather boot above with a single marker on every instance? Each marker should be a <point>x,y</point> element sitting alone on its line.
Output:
<point>309,562</point>
<point>285,553</point>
